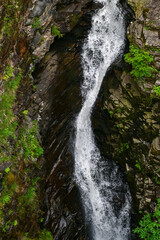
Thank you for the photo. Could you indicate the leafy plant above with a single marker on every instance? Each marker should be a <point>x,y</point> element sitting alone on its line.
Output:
<point>55,32</point>
<point>28,141</point>
<point>140,60</point>
<point>111,113</point>
<point>8,23</point>
<point>7,119</point>
<point>7,170</point>
<point>6,198</point>
<point>19,180</point>
<point>156,180</point>
<point>124,147</point>
<point>157,90</point>
<point>45,235</point>
<point>30,195</point>
<point>36,23</point>
<point>25,112</point>
<point>149,228</point>
<point>15,223</point>
<point>11,17</point>
<point>137,165</point>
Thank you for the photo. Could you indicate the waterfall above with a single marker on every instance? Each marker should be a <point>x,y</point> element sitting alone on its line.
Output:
<point>99,180</point>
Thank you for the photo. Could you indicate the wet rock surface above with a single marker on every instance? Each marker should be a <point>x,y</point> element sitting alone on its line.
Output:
<point>58,79</point>
<point>125,118</point>
<point>132,127</point>
<point>57,100</point>
<point>48,14</point>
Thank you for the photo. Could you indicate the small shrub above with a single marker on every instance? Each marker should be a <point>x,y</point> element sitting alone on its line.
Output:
<point>149,228</point>
<point>140,60</point>
<point>137,165</point>
<point>55,32</point>
<point>157,90</point>
<point>45,235</point>
<point>11,17</point>
<point>30,195</point>
<point>15,223</point>
<point>36,23</point>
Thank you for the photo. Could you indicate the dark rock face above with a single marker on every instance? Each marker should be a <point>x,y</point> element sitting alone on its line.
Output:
<point>58,78</point>
<point>132,138</point>
<point>62,14</point>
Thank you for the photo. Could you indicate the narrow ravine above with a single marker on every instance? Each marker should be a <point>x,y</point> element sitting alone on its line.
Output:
<point>99,180</point>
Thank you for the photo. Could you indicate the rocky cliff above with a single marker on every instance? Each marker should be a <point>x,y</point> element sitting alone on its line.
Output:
<point>28,32</point>
<point>42,40</point>
<point>133,104</point>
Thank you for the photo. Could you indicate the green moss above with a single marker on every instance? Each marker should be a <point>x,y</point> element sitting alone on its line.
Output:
<point>139,6</point>
<point>148,28</point>
<point>20,197</point>
<point>43,235</point>
<point>8,123</point>
<point>74,20</point>
<point>27,141</point>
<point>11,17</point>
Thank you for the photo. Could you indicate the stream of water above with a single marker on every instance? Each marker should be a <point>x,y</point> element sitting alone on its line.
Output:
<point>99,180</point>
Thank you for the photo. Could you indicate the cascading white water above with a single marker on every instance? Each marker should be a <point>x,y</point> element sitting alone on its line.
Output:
<point>97,180</point>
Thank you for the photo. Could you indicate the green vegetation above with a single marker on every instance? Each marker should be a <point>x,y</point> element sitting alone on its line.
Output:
<point>44,235</point>
<point>74,19</point>
<point>157,90</point>
<point>8,123</point>
<point>149,228</point>
<point>147,28</point>
<point>55,32</point>
<point>123,147</point>
<point>19,153</point>
<point>36,23</point>
<point>111,113</point>
<point>156,179</point>
<point>20,174</point>
<point>140,60</point>
<point>11,18</point>
<point>27,141</point>
<point>137,165</point>
<point>8,23</point>
<point>155,49</point>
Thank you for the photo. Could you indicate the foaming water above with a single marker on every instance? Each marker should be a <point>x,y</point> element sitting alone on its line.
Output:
<point>100,182</point>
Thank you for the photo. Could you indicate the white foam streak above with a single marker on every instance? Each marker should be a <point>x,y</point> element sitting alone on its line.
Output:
<point>104,44</point>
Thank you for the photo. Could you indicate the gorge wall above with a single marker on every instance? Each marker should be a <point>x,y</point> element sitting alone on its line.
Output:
<point>126,114</point>
<point>134,110</point>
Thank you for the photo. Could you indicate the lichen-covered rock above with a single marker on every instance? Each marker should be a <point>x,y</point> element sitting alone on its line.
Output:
<point>138,6</point>
<point>144,31</point>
